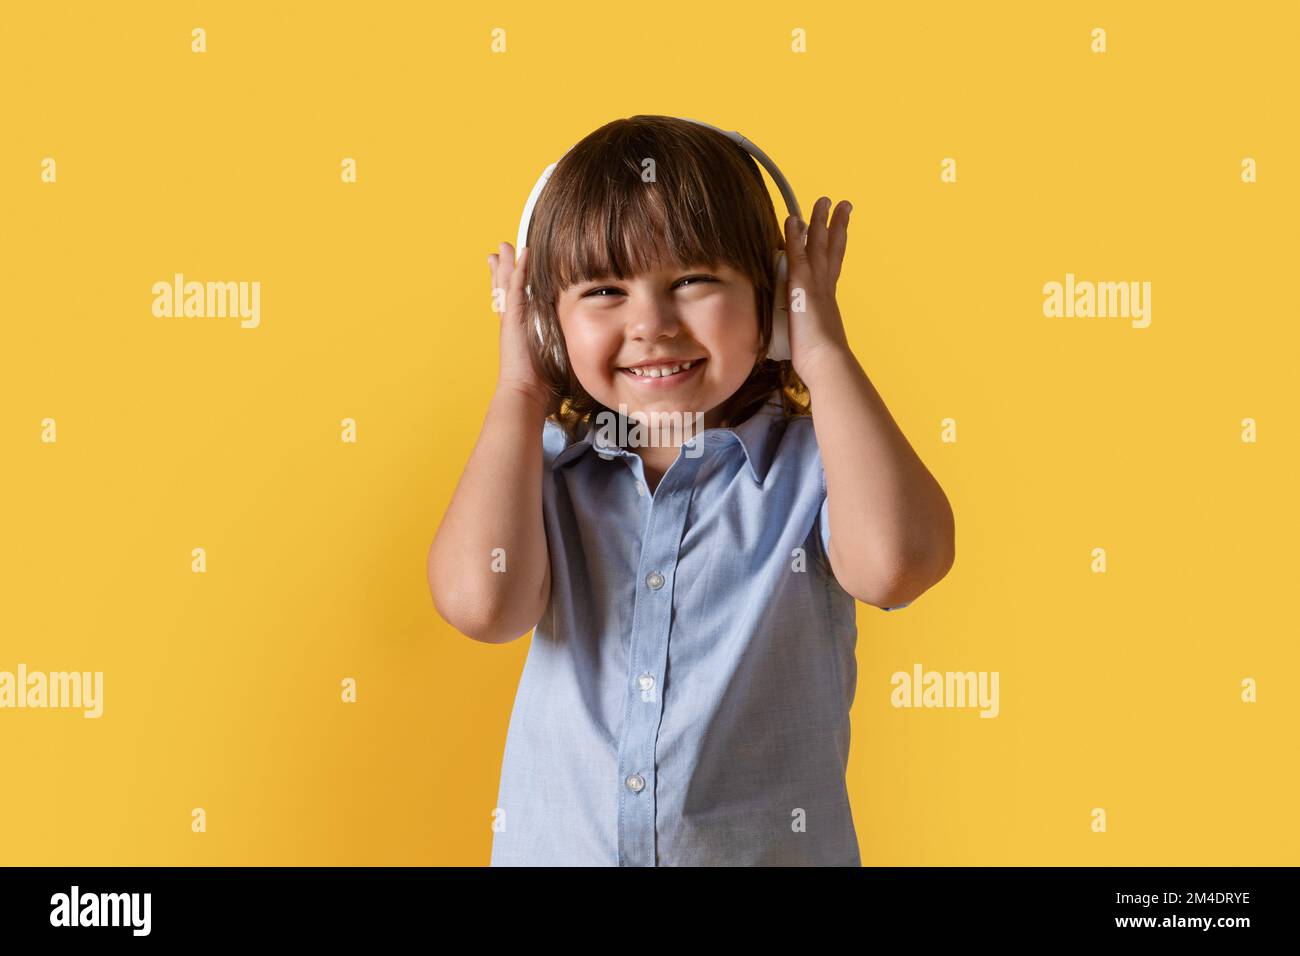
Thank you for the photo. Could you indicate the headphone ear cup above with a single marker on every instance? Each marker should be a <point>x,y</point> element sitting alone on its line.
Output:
<point>537,317</point>
<point>779,349</point>
<point>557,353</point>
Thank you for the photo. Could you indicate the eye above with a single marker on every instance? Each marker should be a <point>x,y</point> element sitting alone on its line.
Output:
<point>600,291</point>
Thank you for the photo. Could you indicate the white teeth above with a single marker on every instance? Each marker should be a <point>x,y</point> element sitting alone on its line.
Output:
<point>660,371</point>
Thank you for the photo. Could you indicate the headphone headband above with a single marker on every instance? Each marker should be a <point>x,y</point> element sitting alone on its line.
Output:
<point>791,203</point>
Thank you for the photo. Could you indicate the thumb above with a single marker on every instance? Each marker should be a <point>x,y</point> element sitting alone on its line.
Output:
<point>796,233</point>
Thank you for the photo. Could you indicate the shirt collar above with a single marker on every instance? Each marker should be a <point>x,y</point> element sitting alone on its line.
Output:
<point>755,436</point>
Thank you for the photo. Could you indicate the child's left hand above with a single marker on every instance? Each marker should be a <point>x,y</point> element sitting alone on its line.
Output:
<point>817,329</point>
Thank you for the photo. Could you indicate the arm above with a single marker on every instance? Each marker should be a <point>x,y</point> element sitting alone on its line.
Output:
<point>892,530</point>
<point>498,500</point>
<point>892,534</point>
<point>497,504</point>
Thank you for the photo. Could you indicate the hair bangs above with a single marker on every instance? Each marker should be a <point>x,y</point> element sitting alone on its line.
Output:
<point>623,227</point>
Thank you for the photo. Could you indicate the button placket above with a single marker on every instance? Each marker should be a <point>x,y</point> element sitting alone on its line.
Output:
<point>648,656</point>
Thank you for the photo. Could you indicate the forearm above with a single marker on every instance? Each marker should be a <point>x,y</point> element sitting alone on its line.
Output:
<point>496,595</point>
<point>892,533</point>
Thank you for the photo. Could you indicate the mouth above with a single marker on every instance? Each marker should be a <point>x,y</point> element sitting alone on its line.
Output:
<point>665,376</point>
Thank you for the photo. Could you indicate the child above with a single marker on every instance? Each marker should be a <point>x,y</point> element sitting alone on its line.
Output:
<point>685,700</point>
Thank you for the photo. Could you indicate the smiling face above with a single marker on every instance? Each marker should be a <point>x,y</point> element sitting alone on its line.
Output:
<point>664,316</point>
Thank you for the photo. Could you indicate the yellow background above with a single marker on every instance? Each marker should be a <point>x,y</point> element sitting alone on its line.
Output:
<point>222,690</point>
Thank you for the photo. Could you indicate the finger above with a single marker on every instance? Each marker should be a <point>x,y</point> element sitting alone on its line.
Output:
<point>837,240</point>
<point>518,278</point>
<point>817,237</point>
<point>505,264</point>
<point>796,255</point>
<point>497,258</point>
<point>508,271</point>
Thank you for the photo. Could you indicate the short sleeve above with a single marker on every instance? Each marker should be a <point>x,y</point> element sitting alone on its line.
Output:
<point>824,525</point>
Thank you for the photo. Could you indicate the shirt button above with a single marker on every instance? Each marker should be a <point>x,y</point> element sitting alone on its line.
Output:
<point>646,681</point>
<point>635,783</point>
<point>640,489</point>
<point>655,580</point>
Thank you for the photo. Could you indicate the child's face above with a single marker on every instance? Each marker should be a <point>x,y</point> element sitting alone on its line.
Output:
<point>670,313</point>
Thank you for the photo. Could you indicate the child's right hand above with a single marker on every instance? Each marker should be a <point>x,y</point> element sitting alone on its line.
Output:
<point>517,370</point>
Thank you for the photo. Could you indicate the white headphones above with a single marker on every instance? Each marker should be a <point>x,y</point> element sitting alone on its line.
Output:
<point>780,345</point>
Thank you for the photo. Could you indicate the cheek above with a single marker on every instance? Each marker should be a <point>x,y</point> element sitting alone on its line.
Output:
<point>592,344</point>
<point>730,331</point>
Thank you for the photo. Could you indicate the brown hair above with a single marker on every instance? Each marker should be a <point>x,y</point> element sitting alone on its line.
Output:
<point>707,203</point>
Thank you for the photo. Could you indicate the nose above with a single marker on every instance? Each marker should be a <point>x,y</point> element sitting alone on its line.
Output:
<point>652,316</point>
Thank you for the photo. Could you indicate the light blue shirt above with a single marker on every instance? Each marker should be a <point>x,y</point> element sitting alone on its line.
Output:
<point>685,699</point>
